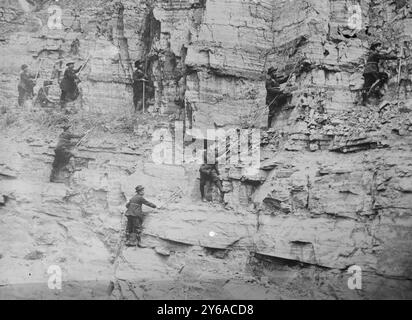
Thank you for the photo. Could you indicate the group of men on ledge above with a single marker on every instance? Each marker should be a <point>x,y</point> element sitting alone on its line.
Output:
<point>68,85</point>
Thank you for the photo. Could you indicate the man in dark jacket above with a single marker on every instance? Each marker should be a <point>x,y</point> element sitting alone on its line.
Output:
<point>68,85</point>
<point>135,216</point>
<point>139,80</point>
<point>63,151</point>
<point>210,172</point>
<point>26,85</point>
<point>275,97</point>
<point>374,79</point>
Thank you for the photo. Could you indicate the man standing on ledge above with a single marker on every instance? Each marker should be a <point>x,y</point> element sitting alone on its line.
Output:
<point>135,216</point>
<point>275,97</point>
<point>26,85</point>
<point>374,79</point>
<point>210,172</point>
<point>139,80</point>
<point>68,85</point>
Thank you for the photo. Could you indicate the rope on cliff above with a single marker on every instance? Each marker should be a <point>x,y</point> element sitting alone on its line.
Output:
<point>290,77</point>
<point>85,64</point>
<point>399,72</point>
<point>86,136</point>
<point>39,69</point>
<point>121,243</point>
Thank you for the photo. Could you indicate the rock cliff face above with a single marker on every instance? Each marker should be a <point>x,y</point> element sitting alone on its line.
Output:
<point>334,181</point>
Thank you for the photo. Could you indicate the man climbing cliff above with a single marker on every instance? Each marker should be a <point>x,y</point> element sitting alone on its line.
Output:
<point>26,85</point>
<point>69,84</point>
<point>210,172</point>
<point>275,97</point>
<point>405,70</point>
<point>135,216</point>
<point>374,79</point>
<point>63,151</point>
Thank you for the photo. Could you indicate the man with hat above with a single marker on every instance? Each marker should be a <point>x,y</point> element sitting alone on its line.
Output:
<point>26,85</point>
<point>139,80</point>
<point>372,75</point>
<point>63,151</point>
<point>275,97</point>
<point>43,95</point>
<point>135,216</point>
<point>68,85</point>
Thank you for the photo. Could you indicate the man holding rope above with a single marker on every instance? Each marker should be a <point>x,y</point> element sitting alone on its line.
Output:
<point>69,84</point>
<point>374,78</point>
<point>210,172</point>
<point>275,97</point>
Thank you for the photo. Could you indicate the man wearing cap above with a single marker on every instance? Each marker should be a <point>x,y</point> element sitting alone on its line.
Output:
<point>275,96</point>
<point>26,85</point>
<point>371,74</point>
<point>63,151</point>
<point>68,85</point>
<point>139,79</point>
<point>135,216</point>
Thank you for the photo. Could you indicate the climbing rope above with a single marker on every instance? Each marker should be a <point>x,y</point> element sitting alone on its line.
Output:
<point>121,243</point>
